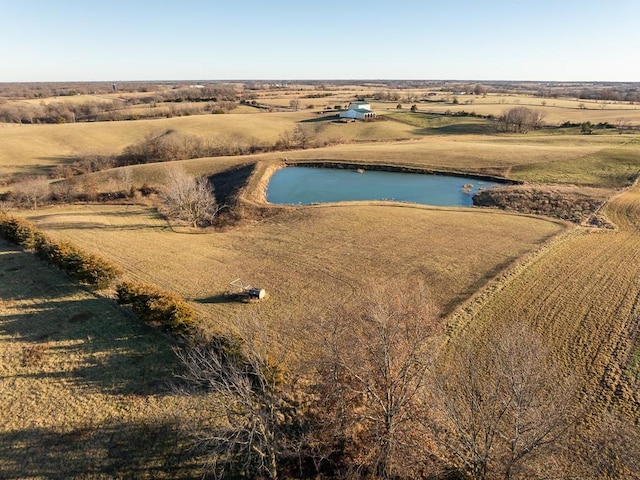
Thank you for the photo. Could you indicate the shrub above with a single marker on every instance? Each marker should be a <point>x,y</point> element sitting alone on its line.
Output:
<point>18,231</point>
<point>155,306</point>
<point>84,267</point>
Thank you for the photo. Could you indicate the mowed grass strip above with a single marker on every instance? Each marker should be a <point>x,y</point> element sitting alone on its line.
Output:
<point>308,258</point>
<point>83,386</point>
<point>582,297</point>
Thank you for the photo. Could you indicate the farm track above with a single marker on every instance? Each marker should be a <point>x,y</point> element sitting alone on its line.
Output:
<point>582,296</point>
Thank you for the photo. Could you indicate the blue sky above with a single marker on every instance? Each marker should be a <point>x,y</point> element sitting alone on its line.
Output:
<point>562,40</point>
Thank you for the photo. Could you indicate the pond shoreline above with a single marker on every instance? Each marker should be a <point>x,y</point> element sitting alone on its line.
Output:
<point>296,184</point>
<point>397,168</point>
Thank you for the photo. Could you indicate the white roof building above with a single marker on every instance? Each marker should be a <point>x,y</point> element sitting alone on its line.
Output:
<point>358,110</point>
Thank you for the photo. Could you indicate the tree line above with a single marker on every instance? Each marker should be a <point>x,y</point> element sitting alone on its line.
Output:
<point>384,394</point>
<point>104,111</point>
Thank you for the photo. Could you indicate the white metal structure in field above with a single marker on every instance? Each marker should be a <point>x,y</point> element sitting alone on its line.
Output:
<point>244,292</point>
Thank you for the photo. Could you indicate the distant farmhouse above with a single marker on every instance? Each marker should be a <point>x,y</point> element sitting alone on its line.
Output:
<point>358,111</point>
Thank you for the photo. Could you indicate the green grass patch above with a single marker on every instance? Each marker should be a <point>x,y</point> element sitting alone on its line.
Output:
<point>432,124</point>
<point>615,167</point>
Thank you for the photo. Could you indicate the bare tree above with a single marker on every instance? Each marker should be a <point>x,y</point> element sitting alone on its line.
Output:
<point>501,404</point>
<point>375,365</point>
<point>188,198</point>
<point>253,416</point>
<point>300,137</point>
<point>124,180</point>
<point>33,191</point>
<point>622,124</point>
<point>611,449</point>
<point>520,120</point>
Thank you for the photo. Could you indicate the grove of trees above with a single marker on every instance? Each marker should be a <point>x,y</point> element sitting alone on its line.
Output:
<point>382,392</point>
<point>520,120</point>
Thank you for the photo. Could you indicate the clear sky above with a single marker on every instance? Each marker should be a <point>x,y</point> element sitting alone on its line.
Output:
<point>84,40</point>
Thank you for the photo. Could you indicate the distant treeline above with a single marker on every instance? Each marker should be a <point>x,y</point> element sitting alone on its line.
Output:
<point>209,100</point>
<point>170,146</point>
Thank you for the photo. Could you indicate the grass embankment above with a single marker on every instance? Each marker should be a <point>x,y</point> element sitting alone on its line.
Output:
<point>83,386</point>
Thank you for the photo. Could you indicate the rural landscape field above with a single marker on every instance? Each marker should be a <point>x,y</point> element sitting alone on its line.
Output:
<point>392,339</point>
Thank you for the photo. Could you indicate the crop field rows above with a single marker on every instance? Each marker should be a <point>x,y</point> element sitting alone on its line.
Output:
<point>582,297</point>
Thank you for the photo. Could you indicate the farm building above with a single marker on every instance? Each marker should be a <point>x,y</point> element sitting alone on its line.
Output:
<point>358,110</point>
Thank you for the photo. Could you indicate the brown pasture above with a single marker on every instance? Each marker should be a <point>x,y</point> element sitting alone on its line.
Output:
<point>75,369</point>
<point>306,258</point>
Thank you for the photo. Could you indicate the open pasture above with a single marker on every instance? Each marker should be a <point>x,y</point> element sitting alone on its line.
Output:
<point>300,255</point>
<point>556,112</point>
<point>36,149</point>
<point>609,161</point>
<point>29,149</point>
<point>422,140</point>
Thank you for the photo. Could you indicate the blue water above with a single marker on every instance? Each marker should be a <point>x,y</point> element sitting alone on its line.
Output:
<point>305,185</point>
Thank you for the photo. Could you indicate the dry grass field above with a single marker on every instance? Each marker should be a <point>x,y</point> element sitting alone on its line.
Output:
<point>82,383</point>
<point>299,255</point>
<point>609,161</point>
<point>35,149</point>
<point>29,149</point>
<point>76,371</point>
<point>582,297</point>
<point>556,111</point>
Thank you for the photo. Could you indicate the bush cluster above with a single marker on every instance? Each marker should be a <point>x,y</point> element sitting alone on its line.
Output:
<point>566,204</point>
<point>84,267</point>
<point>520,120</point>
<point>157,307</point>
<point>18,231</point>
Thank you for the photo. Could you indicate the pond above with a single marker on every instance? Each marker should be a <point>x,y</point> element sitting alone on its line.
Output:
<point>308,185</point>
